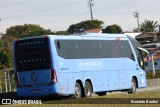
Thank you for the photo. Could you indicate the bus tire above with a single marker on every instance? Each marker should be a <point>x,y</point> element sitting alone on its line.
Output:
<point>78,90</point>
<point>133,87</point>
<point>88,89</point>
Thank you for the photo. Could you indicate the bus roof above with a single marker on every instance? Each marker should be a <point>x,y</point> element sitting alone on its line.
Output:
<point>81,36</point>
<point>88,35</point>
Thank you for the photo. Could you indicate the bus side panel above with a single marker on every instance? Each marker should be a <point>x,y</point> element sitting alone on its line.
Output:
<point>102,80</point>
<point>125,78</point>
<point>93,77</point>
<point>142,78</point>
<point>118,64</point>
<point>66,83</point>
<point>66,75</point>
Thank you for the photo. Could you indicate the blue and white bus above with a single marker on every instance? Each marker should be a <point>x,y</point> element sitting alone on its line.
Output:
<point>78,65</point>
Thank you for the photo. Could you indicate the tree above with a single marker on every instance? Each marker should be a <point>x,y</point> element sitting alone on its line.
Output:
<point>27,30</point>
<point>148,26</point>
<point>6,60</point>
<point>18,31</point>
<point>113,29</point>
<point>88,24</point>
<point>61,33</point>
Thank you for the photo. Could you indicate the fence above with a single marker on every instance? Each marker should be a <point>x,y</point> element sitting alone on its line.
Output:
<point>6,80</point>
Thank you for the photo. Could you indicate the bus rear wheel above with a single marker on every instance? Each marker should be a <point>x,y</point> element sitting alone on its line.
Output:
<point>78,91</point>
<point>88,89</point>
<point>133,87</point>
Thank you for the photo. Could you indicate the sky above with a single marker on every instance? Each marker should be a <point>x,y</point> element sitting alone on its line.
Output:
<point>58,15</point>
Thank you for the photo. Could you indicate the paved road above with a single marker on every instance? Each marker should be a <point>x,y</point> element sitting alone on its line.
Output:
<point>152,84</point>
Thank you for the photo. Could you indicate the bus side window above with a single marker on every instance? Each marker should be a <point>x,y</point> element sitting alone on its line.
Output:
<point>140,59</point>
<point>58,45</point>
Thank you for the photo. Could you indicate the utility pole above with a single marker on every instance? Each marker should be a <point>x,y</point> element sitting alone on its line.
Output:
<point>5,78</point>
<point>91,4</point>
<point>136,15</point>
<point>153,67</point>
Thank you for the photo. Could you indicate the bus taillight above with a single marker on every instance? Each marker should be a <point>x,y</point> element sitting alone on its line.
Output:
<point>16,80</point>
<point>53,79</point>
<point>46,37</point>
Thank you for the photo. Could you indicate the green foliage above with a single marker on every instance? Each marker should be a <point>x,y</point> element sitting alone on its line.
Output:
<point>113,29</point>
<point>2,80</point>
<point>5,58</point>
<point>6,52</point>
<point>150,75</point>
<point>157,74</point>
<point>0,42</point>
<point>148,26</point>
<point>61,33</point>
<point>18,31</point>
<point>27,30</point>
<point>88,24</point>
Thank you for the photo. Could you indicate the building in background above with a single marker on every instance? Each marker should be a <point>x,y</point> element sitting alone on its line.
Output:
<point>148,38</point>
<point>96,30</point>
<point>156,62</point>
<point>132,34</point>
<point>151,42</point>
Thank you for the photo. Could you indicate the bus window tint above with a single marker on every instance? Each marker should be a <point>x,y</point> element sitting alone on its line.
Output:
<point>140,55</point>
<point>32,54</point>
<point>75,49</point>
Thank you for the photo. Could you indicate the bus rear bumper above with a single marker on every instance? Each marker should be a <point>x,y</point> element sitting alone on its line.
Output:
<point>40,91</point>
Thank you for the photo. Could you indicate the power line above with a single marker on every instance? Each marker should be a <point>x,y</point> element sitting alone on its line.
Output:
<point>66,18</point>
<point>69,17</point>
<point>42,10</point>
<point>84,13</point>
<point>16,3</point>
<point>114,6</point>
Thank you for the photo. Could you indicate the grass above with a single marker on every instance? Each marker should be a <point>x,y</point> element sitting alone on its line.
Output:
<point>97,99</point>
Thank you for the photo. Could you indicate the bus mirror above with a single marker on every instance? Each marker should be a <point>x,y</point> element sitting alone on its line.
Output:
<point>144,51</point>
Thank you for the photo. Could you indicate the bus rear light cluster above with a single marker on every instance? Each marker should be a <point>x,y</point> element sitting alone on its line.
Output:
<point>53,78</point>
<point>31,43</point>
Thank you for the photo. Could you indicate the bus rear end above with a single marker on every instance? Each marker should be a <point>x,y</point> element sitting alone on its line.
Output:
<point>34,73</point>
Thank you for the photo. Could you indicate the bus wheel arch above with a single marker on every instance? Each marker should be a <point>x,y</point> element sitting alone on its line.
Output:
<point>134,85</point>
<point>136,80</point>
<point>88,88</point>
<point>78,89</point>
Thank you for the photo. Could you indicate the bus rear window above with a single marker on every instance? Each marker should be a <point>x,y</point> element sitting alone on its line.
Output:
<point>32,54</point>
